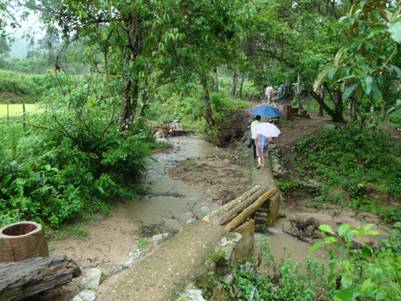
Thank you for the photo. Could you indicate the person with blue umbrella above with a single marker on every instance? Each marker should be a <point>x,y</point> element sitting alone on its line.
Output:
<point>266,111</point>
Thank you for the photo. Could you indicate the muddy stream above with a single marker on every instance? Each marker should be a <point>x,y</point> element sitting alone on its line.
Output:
<point>168,203</point>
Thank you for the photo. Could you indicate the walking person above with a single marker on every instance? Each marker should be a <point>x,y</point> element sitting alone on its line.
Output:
<point>261,149</point>
<point>255,122</point>
<point>269,92</point>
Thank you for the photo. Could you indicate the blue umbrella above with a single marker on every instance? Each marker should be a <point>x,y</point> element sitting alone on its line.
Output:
<point>266,111</point>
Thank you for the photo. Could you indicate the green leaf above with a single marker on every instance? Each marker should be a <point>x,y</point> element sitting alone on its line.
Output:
<point>317,246</point>
<point>349,90</point>
<point>344,229</point>
<point>326,229</point>
<point>395,30</point>
<point>330,240</point>
<point>344,295</point>
<point>367,84</point>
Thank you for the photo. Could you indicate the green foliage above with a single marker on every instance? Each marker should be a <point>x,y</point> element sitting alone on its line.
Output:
<point>18,87</point>
<point>72,161</point>
<point>357,168</point>
<point>366,67</point>
<point>361,271</point>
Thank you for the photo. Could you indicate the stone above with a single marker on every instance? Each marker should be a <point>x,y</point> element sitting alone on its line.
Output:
<point>274,209</point>
<point>91,280</point>
<point>219,293</point>
<point>228,279</point>
<point>202,212</point>
<point>172,225</point>
<point>133,257</point>
<point>86,295</point>
<point>228,245</point>
<point>245,247</point>
<point>156,239</point>
<point>194,295</point>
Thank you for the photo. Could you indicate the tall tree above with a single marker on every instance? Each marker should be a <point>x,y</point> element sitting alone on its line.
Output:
<point>202,35</point>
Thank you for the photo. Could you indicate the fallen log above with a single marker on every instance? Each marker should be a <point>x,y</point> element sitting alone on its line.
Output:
<point>214,216</point>
<point>19,280</point>
<point>229,215</point>
<point>247,212</point>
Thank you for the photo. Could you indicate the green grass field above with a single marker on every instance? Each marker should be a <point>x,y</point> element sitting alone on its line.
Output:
<point>15,110</point>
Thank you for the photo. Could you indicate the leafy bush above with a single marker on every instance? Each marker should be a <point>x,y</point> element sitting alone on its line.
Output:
<point>356,167</point>
<point>72,162</point>
<point>361,271</point>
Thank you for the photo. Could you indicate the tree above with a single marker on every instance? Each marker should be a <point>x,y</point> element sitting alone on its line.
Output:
<point>290,39</point>
<point>201,36</point>
<point>366,70</point>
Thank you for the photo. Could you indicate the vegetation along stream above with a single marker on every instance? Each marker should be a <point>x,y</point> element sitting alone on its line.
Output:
<point>125,128</point>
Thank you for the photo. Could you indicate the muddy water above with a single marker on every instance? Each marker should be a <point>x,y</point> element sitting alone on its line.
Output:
<point>165,206</point>
<point>167,201</point>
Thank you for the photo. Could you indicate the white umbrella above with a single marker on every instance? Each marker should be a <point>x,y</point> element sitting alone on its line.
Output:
<point>267,129</point>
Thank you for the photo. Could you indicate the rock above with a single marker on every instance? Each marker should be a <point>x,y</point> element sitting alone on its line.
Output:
<point>228,279</point>
<point>158,238</point>
<point>219,293</point>
<point>228,245</point>
<point>116,269</point>
<point>133,257</point>
<point>91,280</point>
<point>202,212</point>
<point>273,211</point>
<point>245,247</point>
<point>85,296</point>
<point>172,225</point>
<point>194,295</point>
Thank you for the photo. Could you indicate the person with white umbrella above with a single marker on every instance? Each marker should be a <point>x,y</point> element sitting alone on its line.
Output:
<point>265,131</point>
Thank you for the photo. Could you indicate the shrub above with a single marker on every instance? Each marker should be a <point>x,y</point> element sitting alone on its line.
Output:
<point>72,162</point>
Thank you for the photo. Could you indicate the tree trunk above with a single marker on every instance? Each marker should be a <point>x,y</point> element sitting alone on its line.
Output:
<point>242,84</point>
<point>235,83</point>
<point>19,280</point>
<point>206,99</point>
<point>298,91</point>
<point>322,95</point>
<point>216,80</point>
<point>145,96</point>
<point>353,109</point>
<point>131,89</point>
<point>338,116</point>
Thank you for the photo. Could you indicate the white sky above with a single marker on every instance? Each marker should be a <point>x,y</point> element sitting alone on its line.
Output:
<point>30,26</point>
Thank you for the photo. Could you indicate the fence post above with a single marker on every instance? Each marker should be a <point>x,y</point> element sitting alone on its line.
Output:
<point>23,116</point>
<point>8,113</point>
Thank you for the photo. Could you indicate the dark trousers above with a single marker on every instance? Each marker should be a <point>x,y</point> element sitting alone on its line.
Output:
<point>253,144</point>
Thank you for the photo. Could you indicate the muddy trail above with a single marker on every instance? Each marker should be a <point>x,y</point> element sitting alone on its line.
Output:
<point>184,184</point>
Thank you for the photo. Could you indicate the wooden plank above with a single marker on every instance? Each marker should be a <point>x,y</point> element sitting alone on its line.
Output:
<point>212,217</point>
<point>247,212</point>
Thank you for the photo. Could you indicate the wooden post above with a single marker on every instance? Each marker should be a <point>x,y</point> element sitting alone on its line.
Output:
<point>8,113</point>
<point>23,116</point>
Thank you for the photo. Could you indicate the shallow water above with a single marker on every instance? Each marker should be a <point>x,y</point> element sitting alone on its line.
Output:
<point>170,201</point>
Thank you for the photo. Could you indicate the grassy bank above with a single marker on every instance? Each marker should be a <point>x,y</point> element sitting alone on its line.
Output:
<point>351,167</point>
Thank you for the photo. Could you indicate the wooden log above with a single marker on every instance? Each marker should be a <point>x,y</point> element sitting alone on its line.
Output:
<point>247,212</point>
<point>211,218</point>
<point>19,280</point>
<point>229,215</point>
